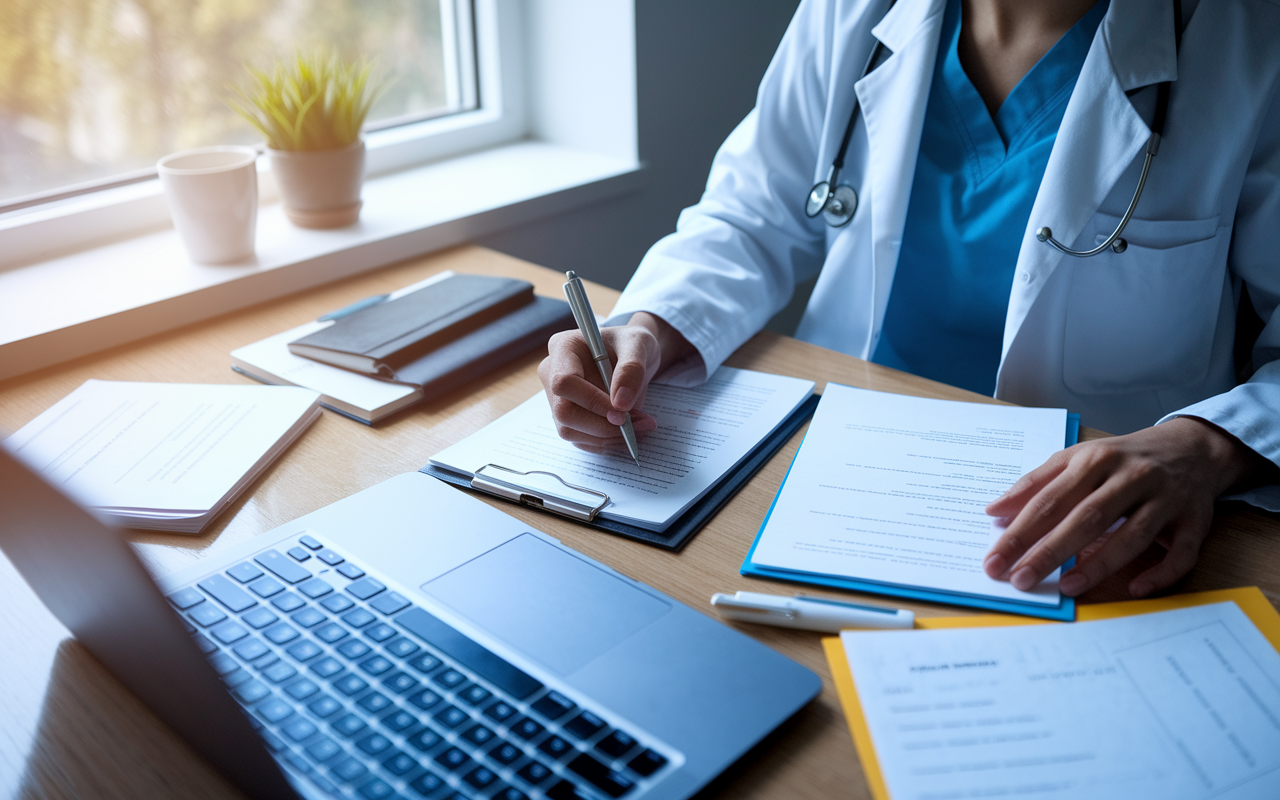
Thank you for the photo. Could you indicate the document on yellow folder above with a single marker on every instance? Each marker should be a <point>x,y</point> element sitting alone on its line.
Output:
<point>1181,703</point>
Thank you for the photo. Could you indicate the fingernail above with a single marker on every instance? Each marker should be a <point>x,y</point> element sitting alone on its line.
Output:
<point>624,398</point>
<point>995,565</point>
<point>616,417</point>
<point>1023,579</point>
<point>1140,588</point>
<point>1072,584</point>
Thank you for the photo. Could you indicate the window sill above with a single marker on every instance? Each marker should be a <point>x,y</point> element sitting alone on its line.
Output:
<point>82,303</point>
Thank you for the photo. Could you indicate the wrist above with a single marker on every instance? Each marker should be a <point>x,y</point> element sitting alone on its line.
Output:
<point>1236,465</point>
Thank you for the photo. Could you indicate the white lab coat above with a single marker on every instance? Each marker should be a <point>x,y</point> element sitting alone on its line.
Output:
<point>1127,340</point>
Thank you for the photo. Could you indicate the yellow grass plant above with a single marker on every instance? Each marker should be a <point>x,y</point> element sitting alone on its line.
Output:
<point>312,102</point>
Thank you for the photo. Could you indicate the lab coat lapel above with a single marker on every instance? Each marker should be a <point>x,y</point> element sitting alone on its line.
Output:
<point>893,100</point>
<point>1100,136</point>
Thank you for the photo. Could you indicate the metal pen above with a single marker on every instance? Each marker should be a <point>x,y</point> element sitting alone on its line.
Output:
<point>586,319</point>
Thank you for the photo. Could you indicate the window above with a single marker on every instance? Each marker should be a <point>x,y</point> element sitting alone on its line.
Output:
<point>93,92</point>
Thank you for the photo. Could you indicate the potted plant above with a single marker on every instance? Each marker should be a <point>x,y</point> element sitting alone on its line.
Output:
<point>310,111</point>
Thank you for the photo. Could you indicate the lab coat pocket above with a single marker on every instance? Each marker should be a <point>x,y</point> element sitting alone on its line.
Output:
<point>1144,319</point>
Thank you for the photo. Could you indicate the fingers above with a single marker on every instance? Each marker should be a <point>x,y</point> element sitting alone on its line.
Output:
<point>1026,487</point>
<point>630,370</point>
<point>1128,542</point>
<point>584,413</point>
<point>1184,549</point>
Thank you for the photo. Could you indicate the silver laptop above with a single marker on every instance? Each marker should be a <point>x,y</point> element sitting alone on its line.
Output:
<point>409,641</point>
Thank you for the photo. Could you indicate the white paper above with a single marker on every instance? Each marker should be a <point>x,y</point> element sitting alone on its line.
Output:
<point>166,449</point>
<point>1177,705</point>
<point>891,488</point>
<point>703,432</point>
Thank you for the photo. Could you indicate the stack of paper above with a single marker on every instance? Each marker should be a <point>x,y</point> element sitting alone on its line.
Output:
<point>164,456</point>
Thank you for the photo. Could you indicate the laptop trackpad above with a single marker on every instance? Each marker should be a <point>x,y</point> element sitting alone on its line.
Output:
<point>556,608</point>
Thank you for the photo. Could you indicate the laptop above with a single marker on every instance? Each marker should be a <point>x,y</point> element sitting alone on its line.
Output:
<point>409,641</point>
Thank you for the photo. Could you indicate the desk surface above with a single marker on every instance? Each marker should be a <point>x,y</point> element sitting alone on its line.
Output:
<point>68,729</point>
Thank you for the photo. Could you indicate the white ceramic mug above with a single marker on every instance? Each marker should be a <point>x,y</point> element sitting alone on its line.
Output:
<point>213,197</point>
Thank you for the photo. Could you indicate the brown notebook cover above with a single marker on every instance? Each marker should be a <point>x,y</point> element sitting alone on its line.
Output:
<point>383,338</point>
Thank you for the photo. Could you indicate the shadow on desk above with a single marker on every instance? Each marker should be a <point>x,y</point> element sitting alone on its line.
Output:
<point>96,740</point>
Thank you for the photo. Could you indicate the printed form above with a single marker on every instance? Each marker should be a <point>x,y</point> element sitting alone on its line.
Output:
<point>703,432</point>
<point>890,488</point>
<point>1177,705</point>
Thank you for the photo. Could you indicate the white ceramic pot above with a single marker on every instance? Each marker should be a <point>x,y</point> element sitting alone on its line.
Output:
<point>320,188</point>
<point>212,194</point>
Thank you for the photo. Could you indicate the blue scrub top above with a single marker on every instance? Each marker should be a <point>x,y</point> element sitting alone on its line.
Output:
<point>975,182</point>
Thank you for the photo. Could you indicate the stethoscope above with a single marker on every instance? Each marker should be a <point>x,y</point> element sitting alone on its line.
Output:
<point>838,205</point>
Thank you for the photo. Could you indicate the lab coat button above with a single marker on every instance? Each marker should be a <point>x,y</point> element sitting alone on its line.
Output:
<point>1026,277</point>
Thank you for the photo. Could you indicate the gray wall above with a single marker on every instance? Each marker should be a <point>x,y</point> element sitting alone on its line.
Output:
<point>698,63</point>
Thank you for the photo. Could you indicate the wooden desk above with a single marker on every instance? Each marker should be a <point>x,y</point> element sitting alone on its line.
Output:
<point>67,729</point>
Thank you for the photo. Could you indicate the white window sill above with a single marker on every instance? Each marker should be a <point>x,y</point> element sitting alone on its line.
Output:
<point>78,304</point>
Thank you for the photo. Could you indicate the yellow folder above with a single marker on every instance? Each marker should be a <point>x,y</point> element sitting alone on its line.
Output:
<point>1250,599</point>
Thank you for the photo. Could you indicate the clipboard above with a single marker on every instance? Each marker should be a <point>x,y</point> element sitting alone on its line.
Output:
<point>548,492</point>
<point>1065,611</point>
<point>1250,599</point>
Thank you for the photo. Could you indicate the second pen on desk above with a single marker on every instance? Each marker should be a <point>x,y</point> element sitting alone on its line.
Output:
<point>586,319</point>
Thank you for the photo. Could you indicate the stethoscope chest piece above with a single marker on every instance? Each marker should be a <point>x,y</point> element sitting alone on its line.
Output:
<point>836,207</point>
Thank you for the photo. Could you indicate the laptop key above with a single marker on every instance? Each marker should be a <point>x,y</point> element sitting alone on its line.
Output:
<point>375,665</point>
<point>473,695</point>
<point>323,749</point>
<point>398,763</point>
<point>350,684</point>
<point>228,632</point>
<point>358,617</point>
<point>308,618</point>
<point>453,759</point>
<point>450,716</point>
<point>556,747</point>
<point>478,735</point>
<point>252,691</point>
<point>348,725</point>
<point>267,587</point>
<point>303,651</point>
<point>234,679</point>
<point>274,710</point>
<point>348,770</point>
<point>324,706</point>
<point>616,744</point>
<point>327,667</point>
<point>534,772</point>
<point>564,790</point>
<point>310,542</point>
<point>206,614</point>
<point>376,789</point>
<point>399,721</point>
<point>425,739</point>
<point>288,601</point>
<point>245,572</point>
<point>354,649</point>
<point>585,725</point>
<point>284,569</point>
<point>186,598</point>
<point>647,763</point>
<point>250,649</point>
<point>609,781</point>
<point>227,593</point>
<point>425,663</point>
<point>204,644</point>
<point>473,656</point>
<point>337,603</point>
<point>499,711</point>
<point>302,689</point>
<point>389,603</point>
<point>400,682</point>
<point>380,632</point>
<point>315,588</point>
<point>299,728</point>
<point>330,632</point>
<point>259,618</point>
<point>365,588</point>
<point>509,793</point>
<point>449,678</point>
<point>554,705</point>
<point>275,743</point>
<point>480,778</point>
<point>349,570</point>
<point>401,647</point>
<point>526,728</point>
<point>375,702</point>
<point>374,743</point>
<point>279,672</point>
<point>329,557</point>
<point>425,699</point>
<point>298,554</point>
<point>280,633</point>
<point>506,754</point>
<point>426,783</point>
<point>223,663</point>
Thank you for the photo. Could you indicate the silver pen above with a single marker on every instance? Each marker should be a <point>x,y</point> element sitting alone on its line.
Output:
<point>586,320</point>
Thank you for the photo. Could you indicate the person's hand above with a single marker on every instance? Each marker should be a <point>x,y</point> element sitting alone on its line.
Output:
<point>1159,483</point>
<point>584,413</point>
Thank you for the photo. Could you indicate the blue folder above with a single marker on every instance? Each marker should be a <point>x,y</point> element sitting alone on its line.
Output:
<point>1065,611</point>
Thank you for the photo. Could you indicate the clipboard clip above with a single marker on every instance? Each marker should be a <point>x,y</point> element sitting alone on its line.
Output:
<point>529,496</point>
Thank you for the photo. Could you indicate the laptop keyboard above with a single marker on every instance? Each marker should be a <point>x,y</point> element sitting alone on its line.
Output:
<point>369,696</point>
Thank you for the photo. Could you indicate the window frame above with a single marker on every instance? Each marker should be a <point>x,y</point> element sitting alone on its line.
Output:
<point>489,33</point>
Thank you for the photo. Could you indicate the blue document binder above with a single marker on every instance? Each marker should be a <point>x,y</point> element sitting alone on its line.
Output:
<point>1064,611</point>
